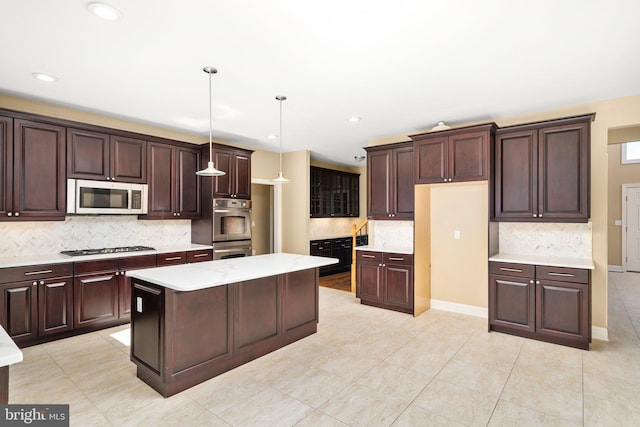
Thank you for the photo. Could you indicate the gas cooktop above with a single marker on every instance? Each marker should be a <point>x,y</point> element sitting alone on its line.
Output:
<point>119,249</point>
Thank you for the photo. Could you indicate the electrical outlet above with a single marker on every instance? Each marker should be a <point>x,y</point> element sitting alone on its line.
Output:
<point>456,234</point>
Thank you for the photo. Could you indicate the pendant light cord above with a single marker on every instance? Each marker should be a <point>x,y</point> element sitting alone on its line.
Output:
<point>281,99</point>
<point>210,121</point>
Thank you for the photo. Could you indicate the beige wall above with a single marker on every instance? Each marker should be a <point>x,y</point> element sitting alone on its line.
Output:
<point>610,114</point>
<point>295,203</point>
<point>459,268</point>
<point>618,174</point>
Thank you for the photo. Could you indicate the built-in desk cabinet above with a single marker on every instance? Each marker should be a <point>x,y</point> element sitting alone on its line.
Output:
<point>455,155</point>
<point>542,171</point>
<point>550,304</point>
<point>390,181</point>
<point>385,280</point>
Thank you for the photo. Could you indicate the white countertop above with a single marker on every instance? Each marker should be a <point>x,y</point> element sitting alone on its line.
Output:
<point>201,275</point>
<point>584,263</point>
<point>389,249</point>
<point>9,351</point>
<point>58,258</point>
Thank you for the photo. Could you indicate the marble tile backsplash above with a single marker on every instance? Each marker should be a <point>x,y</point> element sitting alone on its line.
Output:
<point>324,228</point>
<point>393,234</point>
<point>81,232</point>
<point>566,240</point>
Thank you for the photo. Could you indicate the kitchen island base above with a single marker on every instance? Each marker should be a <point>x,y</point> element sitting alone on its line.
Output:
<point>182,338</point>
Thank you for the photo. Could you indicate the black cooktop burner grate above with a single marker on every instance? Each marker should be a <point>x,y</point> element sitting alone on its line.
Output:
<point>100,251</point>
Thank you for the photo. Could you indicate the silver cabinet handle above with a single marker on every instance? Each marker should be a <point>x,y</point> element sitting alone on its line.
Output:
<point>367,256</point>
<point>561,274</point>
<point>173,258</point>
<point>396,259</point>
<point>200,255</point>
<point>31,273</point>
<point>515,270</point>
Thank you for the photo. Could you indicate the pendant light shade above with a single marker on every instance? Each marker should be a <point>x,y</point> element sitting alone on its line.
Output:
<point>210,170</point>
<point>280,178</point>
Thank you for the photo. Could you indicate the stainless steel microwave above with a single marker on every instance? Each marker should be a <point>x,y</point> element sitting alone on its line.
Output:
<point>103,197</point>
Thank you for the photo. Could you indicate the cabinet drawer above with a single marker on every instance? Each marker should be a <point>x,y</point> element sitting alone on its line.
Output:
<point>96,266</point>
<point>172,258</point>
<point>562,274</point>
<point>369,256</point>
<point>397,258</point>
<point>200,256</point>
<point>134,262</point>
<point>33,272</point>
<point>512,269</point>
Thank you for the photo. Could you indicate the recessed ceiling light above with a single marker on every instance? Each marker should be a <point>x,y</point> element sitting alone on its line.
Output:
<point>49,78</point>
<point>272,136</point>
<point>104,11</point>
<point>355,119</point>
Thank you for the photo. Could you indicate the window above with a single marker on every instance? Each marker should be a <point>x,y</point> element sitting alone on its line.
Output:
<point>631,152</point>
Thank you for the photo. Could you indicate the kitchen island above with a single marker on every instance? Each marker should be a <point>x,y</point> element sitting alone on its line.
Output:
<point>192,322</point>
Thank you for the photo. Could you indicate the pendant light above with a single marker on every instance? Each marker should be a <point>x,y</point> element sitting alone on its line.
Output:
<point>210,170</point>
<point>280,178</point>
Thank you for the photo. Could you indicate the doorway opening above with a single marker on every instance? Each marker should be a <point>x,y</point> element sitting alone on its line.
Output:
<point>631,227</point>
<point>262,218</point>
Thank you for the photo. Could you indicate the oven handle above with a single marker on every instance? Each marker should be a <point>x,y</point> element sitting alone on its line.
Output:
<point>218,251</point>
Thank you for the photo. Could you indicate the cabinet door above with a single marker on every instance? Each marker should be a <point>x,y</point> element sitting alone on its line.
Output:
<point>222,185</point>
<point>242,175</point>
<point>562,310</point>
<point>398,284</point>
<point>161,181</point>
<point>314,192</point>
<point>512,303</point>
<point>95,298</point>
<point>128,159</point>
<point>6,166</point>
<point>467,157</point>
<point>87,154</point>
<point>55,300</point>
<point>369,281</point>
<point>402,185</point>
<point>516,175</point>
<point>39,181</point>
<point>20,309</point>
<point>379,184</point>
<point>563,182</point>
<point>431,160</point>
<point>188,190</point>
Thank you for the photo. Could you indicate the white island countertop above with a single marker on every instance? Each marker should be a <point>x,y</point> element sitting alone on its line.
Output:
<point>9,351</point>
<point>201,275</point>
<point>584,263</point>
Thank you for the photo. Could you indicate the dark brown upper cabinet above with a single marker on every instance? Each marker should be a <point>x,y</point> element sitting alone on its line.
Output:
<point>333,194</point>
<point>542,171</point>
<point>100,156</point>
<point>32,165</point>
<point>174,187</point>
<point>390,181</point>
<point>455,155</point>
<point>236,163</point>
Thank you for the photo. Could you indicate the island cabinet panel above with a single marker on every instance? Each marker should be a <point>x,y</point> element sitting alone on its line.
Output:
<point>146,326</point>
<point>257,317</point>
<point>300,299</point>
<point>182,338</point>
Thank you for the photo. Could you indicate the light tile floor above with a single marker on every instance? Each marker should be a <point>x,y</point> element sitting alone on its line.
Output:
<point>364,367</point>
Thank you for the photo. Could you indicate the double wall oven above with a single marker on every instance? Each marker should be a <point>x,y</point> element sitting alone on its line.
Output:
<point>231,228</point>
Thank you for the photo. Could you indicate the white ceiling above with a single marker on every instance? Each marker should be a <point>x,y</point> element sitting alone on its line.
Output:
<point>400,65</point>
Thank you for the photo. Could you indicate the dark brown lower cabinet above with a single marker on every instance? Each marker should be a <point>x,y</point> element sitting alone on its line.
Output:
<point>40,306</point>
<point>180,339</point>
<point>95,292</point>
<point>124,282</point>
<point>385,280</point>
<point>550,304</point>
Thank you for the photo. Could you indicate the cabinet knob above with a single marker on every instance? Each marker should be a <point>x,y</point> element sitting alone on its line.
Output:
<point>17,214</point>
<point>117,273</point>
<point>531,281</point>
<point>9,214</point>
<point>537,282</point>
<point>108,178</point>
<point>42,282</point>
<point>178,213</point>
<point>535,215</point>
<point>35,283</point>
<point>449,179</point>
<point>445,180</point>
<point>539,215</point>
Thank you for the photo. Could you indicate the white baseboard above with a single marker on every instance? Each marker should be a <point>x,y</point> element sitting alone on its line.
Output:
<point>470,310</point>
<point>616,268</point>
<point>598,333</point>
